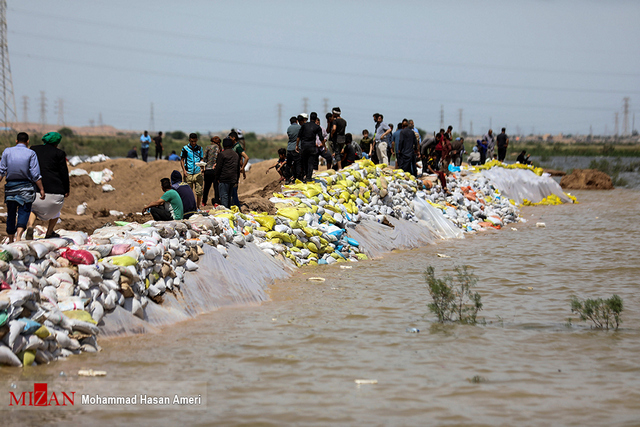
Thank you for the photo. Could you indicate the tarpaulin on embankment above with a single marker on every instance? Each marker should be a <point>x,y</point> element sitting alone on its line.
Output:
<point>520,184</point>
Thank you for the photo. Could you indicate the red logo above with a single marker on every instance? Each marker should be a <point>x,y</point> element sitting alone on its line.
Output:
<point>41,397</point>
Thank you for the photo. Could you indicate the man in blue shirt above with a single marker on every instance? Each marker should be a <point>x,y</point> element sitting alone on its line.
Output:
<point>145,140</point>
<point>20,166</point>
<point>192,154</point>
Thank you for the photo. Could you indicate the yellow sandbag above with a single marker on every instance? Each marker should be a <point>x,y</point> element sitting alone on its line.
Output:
<point>309,232</point>
<point>267,222</point>
<point>328,218</point>
<point>42,332</point>
<point>291,213</point>
<point>28,357</point>
<point>79,315</point>
<point>124,260</point>
<point>361,256</point>
<point>298,243</point>
<point>312,247</point>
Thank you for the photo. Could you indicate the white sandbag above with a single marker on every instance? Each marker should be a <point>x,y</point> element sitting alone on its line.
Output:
<point>7,357</point>
<point>107,188</point>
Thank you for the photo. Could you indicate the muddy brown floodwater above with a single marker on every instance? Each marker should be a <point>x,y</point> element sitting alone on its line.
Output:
<point>293,360</point>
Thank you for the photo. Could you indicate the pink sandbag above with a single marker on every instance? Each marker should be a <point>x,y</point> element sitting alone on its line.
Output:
<point>78,256</point>
<point>120,248</point>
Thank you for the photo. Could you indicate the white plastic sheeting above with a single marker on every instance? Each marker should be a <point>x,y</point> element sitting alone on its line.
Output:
<point>520,184</point>
<point>433,219</point>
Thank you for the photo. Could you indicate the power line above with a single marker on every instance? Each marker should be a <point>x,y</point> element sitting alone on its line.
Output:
<point>279,127</point>
<point>625,117</point>
<point>342,73</point>
<point>269,46</point>
<point>9,115</point>
<point>152,123</point>
<point>43,109</point>
<point>25,109</point>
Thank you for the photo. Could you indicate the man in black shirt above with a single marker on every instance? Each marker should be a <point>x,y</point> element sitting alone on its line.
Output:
<point>158,141</point>
<point>306,143</point>
<point>337,135</point>
<point>503,143</point>
<point>406,144</point>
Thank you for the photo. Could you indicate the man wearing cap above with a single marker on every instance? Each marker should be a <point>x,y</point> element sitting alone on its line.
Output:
<point>20,166</point>
<point>55,180</point>
<point>337,135</point>
<point>380,138</point>
<point>227,171</point>
<point>306,143</point>
<point>293,157</point>
<point>192,154</point>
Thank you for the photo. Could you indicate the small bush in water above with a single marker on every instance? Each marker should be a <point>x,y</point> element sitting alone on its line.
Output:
<point>603,313</point>
<point>453,302</point>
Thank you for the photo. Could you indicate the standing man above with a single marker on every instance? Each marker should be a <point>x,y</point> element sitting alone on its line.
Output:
<point>406,147</point>
<point>394,140</point>
<point>227,171</point>
<point>210,157</point>
<point>21,168</point>
<point>293,157</point>
<point>380,138</point>
<point>145,140</point>
<point>244,161</point>
<point>503,143</point>
<point>490,140</point>
<point>158,141</point>
<point>337,136</point>
<point>322,149</point>
<point>55,181</point>
<point>192,154</point>
<point>416,150</point>
<point>457,148</point>
<point>306,144</point>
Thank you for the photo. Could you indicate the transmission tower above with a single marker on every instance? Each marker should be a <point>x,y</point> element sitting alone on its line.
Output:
<point>625,117</point>
<point>305,104</point>
<point>43,109</point>
<point>60,108</point>
<point>152,124</point>
<point>100,123</point>
<point>25,109</point>
<point>9,115</point>
<point>471,128</point>
<point>325,101</point>
<point>441,116</point>
<point>279,119</point>
<point>615,128</point>
<point>460,120</point>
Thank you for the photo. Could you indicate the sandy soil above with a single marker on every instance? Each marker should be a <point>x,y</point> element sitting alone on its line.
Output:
<point>586,179</point>
<point>136,184</point>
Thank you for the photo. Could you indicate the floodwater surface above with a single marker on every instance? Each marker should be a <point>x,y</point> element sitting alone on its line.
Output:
<point>294,359</point>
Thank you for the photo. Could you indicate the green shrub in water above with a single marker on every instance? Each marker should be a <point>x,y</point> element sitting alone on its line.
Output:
<point>453,302</point>
<point>604,314</point>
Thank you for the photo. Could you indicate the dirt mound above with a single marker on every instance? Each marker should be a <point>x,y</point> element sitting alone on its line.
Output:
<point>586,179</point>
<point>555,172</point>
<point>136,184</point>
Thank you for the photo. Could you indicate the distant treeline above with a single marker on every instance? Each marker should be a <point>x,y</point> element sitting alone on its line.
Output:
<point>118,146</point>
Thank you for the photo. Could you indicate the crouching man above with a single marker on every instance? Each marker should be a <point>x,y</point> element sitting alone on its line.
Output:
<point>169,206</point>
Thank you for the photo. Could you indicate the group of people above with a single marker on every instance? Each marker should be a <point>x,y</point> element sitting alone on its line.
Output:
<point>218,165</point>
<point>40,170</point>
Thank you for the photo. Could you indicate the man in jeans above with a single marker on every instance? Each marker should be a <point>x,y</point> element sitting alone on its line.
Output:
<point>381,137</point>
<point>293,157</point>
<point>227,171</point>
<point>145,140</point>
<point>192,154</point>
<point>20,166</point>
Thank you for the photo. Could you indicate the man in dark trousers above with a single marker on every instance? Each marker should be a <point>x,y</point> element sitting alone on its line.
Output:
<point>406,145</point>
<point>227,171</point>
<point>337,136</point>
<point>503,143</point>
<point>158,142</point>
<point>293,157</point>
<point>306,145</point>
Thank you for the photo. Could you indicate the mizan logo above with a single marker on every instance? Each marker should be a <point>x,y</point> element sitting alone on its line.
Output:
<point>40,397</point>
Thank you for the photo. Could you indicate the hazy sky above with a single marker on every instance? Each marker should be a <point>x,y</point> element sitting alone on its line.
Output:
<point>548,66</point>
